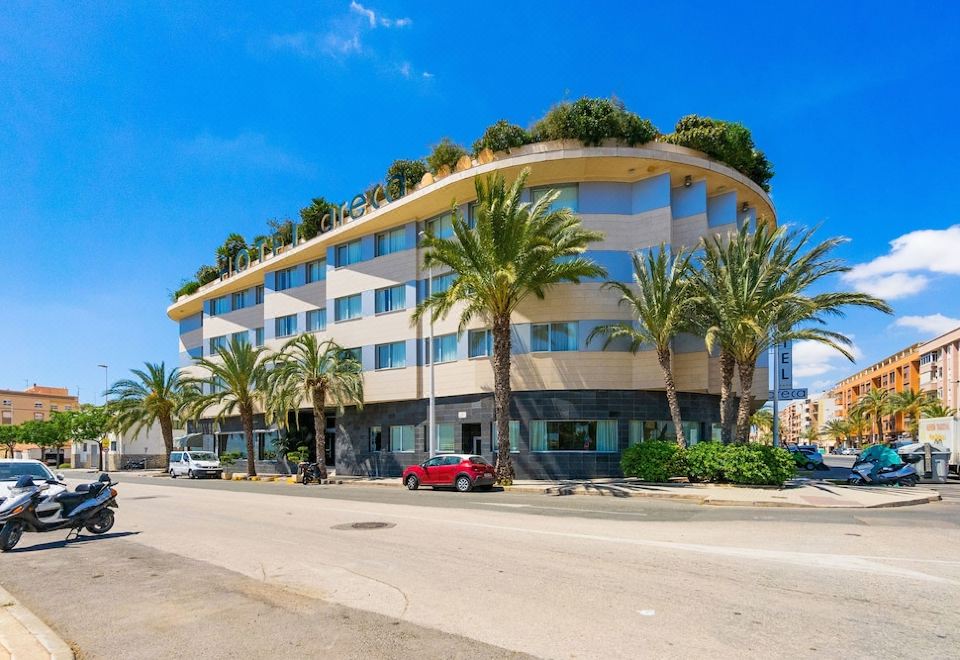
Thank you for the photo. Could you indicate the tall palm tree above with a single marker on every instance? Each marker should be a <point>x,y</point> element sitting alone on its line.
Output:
<point>910,404</point>
<point>660,301</point>
<point>517,250</point>
<point>762,419</point>
<point>236,381</point>
<point>152,396</point>
<point>876,405</point>
<point>319,371</point>
<point>768,275</point>
<point>857,424</point>
<point>935,408</point>
<point>837,429</point>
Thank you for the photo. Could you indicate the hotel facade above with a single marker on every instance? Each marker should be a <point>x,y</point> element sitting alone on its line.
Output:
<point>575,406</point>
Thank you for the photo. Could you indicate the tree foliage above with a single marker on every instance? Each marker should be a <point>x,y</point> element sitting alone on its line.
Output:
<point>311,216</point>
<point>412,172</point>
<point>206,274</point>
<point>445,153</point>
<point>592,120</point>
<point>502,136</point>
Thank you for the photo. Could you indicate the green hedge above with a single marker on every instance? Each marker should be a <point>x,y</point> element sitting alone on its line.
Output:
<point>654,460</point>
<point>727,141</point>
<point>747,464</point>
<point>446,152</point>
<point>705,461</point>
<point>593,120</point>
<point>758,465</point>
<point>502,136</point>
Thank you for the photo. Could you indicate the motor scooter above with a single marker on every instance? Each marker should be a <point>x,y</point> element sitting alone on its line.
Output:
<point>309,472</point>
<point>88,507</point>
<point>862,473</point>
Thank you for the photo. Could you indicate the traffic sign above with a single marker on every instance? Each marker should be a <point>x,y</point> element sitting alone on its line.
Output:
<point>789,394</point>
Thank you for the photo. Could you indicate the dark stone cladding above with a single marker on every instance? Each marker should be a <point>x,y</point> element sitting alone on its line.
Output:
<point>353,455</point>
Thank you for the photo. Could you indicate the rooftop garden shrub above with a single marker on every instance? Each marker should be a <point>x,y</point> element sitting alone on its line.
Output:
<point>502,136</point>
<point>654,460</point>
<point>705,461</point>
<point>446,152</point>
<point>233,245</point>
<point>757,465</point>
<point>729,142</point>
<point>593,120</point>
<point>206,274</point>
<point>411,171</point>
<point>312,215</point>
<point>186,288</point>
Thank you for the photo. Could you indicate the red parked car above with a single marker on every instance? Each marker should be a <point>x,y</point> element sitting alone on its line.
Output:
<point>461,471</point>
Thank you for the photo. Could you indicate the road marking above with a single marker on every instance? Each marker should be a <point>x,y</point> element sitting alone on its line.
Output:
<point>512,506</point>
<point>560,508</point>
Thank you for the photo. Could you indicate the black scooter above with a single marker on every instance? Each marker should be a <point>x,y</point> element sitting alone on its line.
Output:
<point>88,507</point>
<point>309,472</point>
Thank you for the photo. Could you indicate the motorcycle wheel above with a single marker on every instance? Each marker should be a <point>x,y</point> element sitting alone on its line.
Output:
<point>10,535</point>
<point>102,523</point>
<point>304,479</point>
<point>855,481</point>
<point>910,481</point>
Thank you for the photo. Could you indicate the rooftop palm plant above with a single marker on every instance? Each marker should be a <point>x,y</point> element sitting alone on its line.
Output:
<point>153,395</point>
<point>319,371</point>
<point>660,300</point>
<point>236,381</point>
<point>875,404</point>
<point>516,250</point>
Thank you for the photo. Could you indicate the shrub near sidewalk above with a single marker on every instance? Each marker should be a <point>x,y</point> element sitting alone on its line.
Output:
<point>654,460</point>
<point>705,461</point>
<point>757,465</point>
<point>744,464</point>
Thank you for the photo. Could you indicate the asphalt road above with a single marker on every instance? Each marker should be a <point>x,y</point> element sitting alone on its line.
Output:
<point>251,569</point>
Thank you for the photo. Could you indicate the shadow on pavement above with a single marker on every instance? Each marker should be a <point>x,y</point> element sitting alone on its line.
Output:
<point>50,545</point>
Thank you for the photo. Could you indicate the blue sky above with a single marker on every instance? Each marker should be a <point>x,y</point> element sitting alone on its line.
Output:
<point>134,137</point>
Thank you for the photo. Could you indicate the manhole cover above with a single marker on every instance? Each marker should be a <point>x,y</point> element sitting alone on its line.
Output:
<point>365,525</point>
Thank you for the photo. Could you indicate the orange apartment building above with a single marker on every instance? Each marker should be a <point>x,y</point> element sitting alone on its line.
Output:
<point>36,402</point>
<point>896,373</point>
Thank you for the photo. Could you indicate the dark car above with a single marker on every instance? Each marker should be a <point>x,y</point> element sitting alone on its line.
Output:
<point>461,471</point>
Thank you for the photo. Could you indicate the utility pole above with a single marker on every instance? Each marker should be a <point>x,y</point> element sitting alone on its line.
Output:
<point>106,400</point>
<point>776,412</point>
<point>432,414</point>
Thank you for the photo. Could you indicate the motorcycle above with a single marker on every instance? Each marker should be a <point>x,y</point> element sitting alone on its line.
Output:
<point>134,464</point>
<point>29,509</point>
<point>309,472</point>
<point>863,473</point>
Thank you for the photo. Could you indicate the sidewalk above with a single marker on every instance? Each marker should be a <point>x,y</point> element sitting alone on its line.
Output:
<point>25,637</point>
<point>802,493</point>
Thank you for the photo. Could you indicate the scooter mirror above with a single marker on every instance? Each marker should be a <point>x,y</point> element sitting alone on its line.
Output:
<point>60,476</point>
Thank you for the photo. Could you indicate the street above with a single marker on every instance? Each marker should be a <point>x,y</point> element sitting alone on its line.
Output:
<point>229,569</point>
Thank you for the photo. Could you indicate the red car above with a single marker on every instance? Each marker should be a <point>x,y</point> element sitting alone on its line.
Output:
<point>461,471</point>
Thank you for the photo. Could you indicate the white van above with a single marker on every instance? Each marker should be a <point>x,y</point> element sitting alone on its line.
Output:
<point>195,464</point>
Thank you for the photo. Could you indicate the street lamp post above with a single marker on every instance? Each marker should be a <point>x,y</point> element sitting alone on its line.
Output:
<point>431,415</point>
<point>106,400</point>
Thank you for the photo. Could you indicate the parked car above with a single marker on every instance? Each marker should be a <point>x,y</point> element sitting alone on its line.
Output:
<point>461,471</point>
<point>805,457</point>
<point>11,469</point>
<point>194,464</point>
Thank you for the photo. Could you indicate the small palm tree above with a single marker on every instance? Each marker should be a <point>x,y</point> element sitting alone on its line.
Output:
<point>876,405</point>
<point>153,396</point>
<point>837,429</point>
<point>910,404</point>
<point>935,408</point>
<point>236,381</point>
<point>762,419</point>
<point>517,250</point>
<point>318,371</point>
<point>857,424</point>
<point>660,300</point>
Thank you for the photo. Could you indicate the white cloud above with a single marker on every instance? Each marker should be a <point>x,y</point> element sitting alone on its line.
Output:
<point>375,20</point>
<point>363,11</point>
<point>903,270</point>
<point>427,75</point>
<point>931,325</point>
<point>812,358</point>
<point>404,69</point>
<point>246,150</point>
<point>313,44</point>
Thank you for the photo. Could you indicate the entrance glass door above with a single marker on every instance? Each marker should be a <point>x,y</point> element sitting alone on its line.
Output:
<point>470,439</point>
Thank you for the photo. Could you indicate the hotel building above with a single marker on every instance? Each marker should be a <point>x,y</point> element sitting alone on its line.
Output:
<point>575,406</point>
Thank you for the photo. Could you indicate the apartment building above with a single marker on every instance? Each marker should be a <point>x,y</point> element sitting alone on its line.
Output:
<point>575,406</point>
<point>35,402</point>
<point>940,368</point>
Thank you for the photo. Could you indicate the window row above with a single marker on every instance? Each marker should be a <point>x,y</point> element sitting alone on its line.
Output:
<point>234,301</point>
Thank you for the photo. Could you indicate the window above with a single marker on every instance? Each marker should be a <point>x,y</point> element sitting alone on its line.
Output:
<point>441,283</point>
<point>391,241</point>
<point>928,358</point>
<point>663,429</point>
<point>241,337</point>
<point>38,404</point>
<point>347,308</point>
<point>479,343</point>
<point>239,300</point>
<point>445,438</point>
<point>68,407</point>
<point>354,353</point>
<point>390,299</point>
<point>284,279</point>
<point>472,215</point>
<point>7,402</point>
<point>514,436</point>
<point>219,305</point>
<point>567,199</point>
<point>553,337</point>
<point>258,337</point>
<point>7,417</point>
<point>441,227</point>
<point>599,436</point>
<point>38,415</point>
<point>216,385</point>
<point>317,320</point>
<point>53,407</point>
<point>376,438</point>
<point>391,356</point>
<point>316,271</point>
<point>285,326</point>
<point>349,253</point>
<point>216,343</point>
<point>401,438</point>
<point>258,295</point>
<point>444,347</point>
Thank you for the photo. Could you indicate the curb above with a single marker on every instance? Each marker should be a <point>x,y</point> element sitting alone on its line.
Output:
<point>37,629</point>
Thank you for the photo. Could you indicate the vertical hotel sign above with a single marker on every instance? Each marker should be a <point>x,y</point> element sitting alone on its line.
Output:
<point>784,356</point>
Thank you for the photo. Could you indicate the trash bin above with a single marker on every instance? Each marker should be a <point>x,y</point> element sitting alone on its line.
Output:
<point>932,461</point>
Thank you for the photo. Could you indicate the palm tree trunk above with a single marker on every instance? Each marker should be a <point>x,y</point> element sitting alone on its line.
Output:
<point>166,430</point>
<point>745,370</point>
<point>246,416</point>
<point>727,367</point>
<point>502,344</point>
<point>318,397</point>
<point>663,357</point>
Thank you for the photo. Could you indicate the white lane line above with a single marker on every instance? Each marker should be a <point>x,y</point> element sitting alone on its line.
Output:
<point>560,508</point>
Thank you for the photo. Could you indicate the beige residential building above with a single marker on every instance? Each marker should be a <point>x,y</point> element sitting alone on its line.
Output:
<point>940,368</point>
<point>35,402</point>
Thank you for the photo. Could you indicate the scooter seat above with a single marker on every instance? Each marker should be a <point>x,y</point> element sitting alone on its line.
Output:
<point>69,499</point>
<point>89,489</point>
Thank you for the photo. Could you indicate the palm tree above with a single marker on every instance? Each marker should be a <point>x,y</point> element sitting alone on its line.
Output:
<point>811,435</point>
<point>837,429</point>
<point>153,396</point>
<point>935,408</point>
<point>661,303</point>
<point>236,382</point>
<point>857,424</point>
<point>765,300</point>
<point>517,250</point>
<point>875,404</point>
<point>763,421</point>
<point>910,404</point>
<point>319,371</point>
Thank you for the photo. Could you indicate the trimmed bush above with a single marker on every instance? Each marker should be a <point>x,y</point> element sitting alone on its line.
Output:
<point>502,136</point>
<point>186,288</point>
<point>411,171</point>
<point>705,461</point>
<point>446,152</point>
<point>63,466</point>
<point>206,274</point>
<point>728,142</point>
<point>757,465</point>
<point>654,460</point>
<point>593,120</point>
